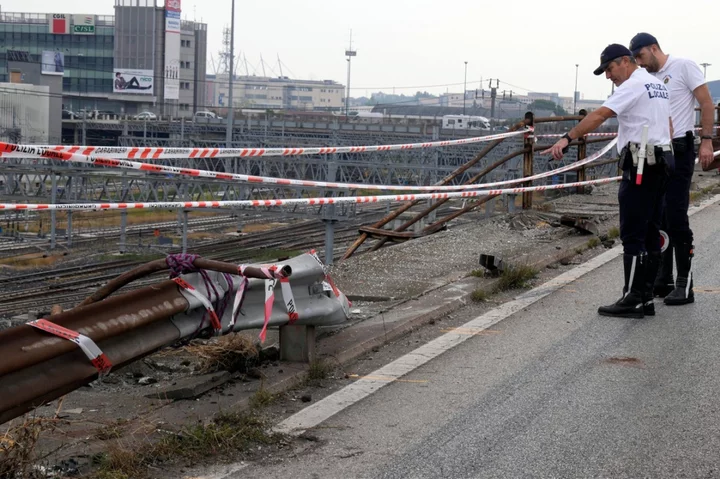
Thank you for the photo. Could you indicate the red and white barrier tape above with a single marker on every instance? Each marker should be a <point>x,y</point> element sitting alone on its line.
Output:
<point>296,201</point>
<point>273,274</point>
<point>214,319</point>
<point>170,153</point>
<point>132,165</point>
<point>269,300</point>
<point>87,345</point>
<point>558,135</point>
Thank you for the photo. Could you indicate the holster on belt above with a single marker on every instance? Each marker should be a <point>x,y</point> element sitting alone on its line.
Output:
<point>629,157</point>
<point>685,143</point>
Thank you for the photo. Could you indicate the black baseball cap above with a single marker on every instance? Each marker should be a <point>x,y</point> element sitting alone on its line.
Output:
<point>640,41</point>
<point>611,52</point>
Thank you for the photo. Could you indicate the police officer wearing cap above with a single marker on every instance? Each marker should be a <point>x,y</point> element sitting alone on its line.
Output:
<point>642,106</point>
<point>686,84</point>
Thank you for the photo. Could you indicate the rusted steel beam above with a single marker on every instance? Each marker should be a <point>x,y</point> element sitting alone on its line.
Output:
<point>581,155</point>
<point>554,119</point>
<point>26,389</point>
<point>351,250</point>
<point>528,160</point>
<point>25,346</point>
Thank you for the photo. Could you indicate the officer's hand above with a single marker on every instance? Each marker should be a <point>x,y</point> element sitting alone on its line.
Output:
<point>557,149</point>
<point>706,153</point>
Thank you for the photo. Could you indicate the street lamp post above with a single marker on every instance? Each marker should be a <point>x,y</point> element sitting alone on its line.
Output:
<point>231,112</point>
<point>705,65</point>
<point>349,53</point>
<point>465,88</point>
<point>575,91</point>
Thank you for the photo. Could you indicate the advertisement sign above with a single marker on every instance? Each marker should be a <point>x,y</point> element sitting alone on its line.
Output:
<point>52,63</point>
<point>59,24</point>
<point>84,24</point>
<point>137,82</point>
<point>172,49</point>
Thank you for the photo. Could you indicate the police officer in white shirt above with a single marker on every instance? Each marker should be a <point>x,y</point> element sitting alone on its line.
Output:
<point>686,84</point>
<point>642,106</point>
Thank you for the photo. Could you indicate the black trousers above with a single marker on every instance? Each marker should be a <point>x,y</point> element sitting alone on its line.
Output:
<point>641,206</point>
<point>677,197</point>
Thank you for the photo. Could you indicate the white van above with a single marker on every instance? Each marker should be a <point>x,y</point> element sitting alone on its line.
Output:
<point>204,115</point>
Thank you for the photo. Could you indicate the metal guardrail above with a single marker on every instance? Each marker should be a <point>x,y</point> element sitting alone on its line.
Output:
<point>40,367</point>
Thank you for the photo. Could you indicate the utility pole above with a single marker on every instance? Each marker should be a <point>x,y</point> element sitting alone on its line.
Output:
<point>349,53</point>
<point>575,92</point>
<point>465,89</point>
<point>493,96</point>
<point>705,65</point>
<point>231,74</point>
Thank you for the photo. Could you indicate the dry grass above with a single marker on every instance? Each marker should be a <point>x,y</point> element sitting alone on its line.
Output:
<point>614,232</point>
<point>227,436</point>
<point>318,370</point>
<point>17,447</point>
<point>33,260</point>
<point>480,295</point>
<point>593,243</point>
<point>516,277</point>
<point>234,352</point>
<point>478,273</point>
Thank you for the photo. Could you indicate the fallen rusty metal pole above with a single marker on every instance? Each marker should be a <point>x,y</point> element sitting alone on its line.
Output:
<point>162,265</point>
<point>364,236</point>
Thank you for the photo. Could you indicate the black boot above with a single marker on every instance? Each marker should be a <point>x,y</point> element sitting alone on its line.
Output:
<point>664,282</point>
<point>683,292</point>
<point>631,304</point>
<point>651,274</point>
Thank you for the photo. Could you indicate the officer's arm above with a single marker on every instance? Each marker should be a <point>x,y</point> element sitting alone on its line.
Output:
<point>707,109</point>
<point>591,122</point>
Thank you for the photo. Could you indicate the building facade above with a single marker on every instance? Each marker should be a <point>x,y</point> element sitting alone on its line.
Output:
<point>281,93</point>
<point>142,58</point>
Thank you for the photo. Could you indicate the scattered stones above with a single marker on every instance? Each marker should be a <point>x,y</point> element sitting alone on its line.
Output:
<point>146,381</point>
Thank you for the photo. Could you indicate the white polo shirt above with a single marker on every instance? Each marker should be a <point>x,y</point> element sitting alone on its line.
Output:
<point>641,100</point>
<point>681,77</point>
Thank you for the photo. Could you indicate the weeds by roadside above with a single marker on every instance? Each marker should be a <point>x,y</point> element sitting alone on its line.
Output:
<point>229,434</point>
<point>516,277</point>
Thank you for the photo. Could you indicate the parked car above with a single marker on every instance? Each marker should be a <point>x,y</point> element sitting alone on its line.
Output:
<point>146,115</point>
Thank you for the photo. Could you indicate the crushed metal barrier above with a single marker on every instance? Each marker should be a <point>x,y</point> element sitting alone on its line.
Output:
<point>172,153</point>
<point>20,150</point>
<point>126,327</point>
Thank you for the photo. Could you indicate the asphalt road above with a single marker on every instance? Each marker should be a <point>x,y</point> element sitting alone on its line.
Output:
<point>554,390</point>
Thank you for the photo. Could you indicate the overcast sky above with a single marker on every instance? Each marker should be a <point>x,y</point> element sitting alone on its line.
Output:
<point>413,45</point>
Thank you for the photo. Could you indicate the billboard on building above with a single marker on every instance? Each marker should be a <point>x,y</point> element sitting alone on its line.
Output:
<point>59,24</point>
<point>84,24</point>
<point>137,82</point>
<point>52,63</point>
<point>172,49</point>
